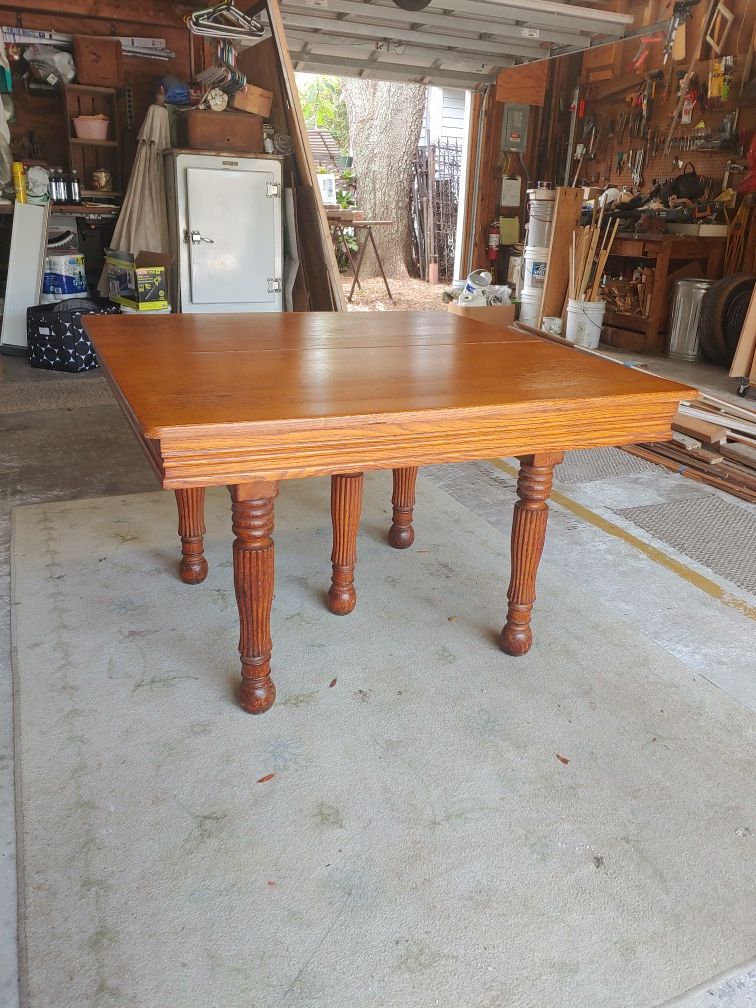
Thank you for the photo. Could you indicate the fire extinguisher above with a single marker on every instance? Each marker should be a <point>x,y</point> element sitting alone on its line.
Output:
<point>492,242</point>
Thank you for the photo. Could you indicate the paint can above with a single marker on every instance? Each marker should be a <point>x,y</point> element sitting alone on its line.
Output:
<point>477,281</point>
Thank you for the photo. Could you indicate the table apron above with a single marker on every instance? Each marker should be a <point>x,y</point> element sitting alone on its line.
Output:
<point>223,459</point>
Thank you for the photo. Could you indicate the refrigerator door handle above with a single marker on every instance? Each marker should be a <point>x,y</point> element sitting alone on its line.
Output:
<point>195,238</point>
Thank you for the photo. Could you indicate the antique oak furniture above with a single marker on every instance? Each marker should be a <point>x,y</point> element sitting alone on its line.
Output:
<point>246,401</point>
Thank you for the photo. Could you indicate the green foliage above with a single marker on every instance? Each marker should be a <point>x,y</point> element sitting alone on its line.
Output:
<point>324,108</point>
<point>341,257</point>
<point>345,199</point>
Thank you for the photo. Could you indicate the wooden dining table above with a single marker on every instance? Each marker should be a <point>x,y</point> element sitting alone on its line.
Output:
<point>248,401</point>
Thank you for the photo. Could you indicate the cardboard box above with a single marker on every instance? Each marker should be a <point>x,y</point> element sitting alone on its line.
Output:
<point>138,281</point>
<point>252,99</point>
<point>497,315</point>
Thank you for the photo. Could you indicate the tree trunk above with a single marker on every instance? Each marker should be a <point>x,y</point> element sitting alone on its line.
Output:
<point>385,120</point>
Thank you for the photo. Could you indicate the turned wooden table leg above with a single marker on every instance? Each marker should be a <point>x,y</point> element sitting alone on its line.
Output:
<point>346,507</point>
<point>401,534</point>
<point>252,524</point>
<point>528,535</point>
<point>191,529</point>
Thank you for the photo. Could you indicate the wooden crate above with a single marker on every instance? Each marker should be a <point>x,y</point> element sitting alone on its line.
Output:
<point>235,132</point>
<point>99,61</point>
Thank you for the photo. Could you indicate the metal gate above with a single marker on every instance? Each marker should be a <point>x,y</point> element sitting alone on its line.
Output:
<point>436,173</point>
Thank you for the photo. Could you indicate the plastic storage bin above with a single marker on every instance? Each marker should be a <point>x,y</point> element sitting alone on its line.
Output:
<point>56,337</point>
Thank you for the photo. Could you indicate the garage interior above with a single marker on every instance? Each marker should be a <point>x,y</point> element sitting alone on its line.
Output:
<point>419,819</point>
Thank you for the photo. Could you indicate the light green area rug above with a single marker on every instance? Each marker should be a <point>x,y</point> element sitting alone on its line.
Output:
<point>445,825</point>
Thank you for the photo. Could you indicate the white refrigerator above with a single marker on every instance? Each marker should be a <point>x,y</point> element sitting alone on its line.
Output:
<point>225,218</point>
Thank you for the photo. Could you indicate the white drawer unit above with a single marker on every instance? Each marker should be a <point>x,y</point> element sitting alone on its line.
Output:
<point>225,217</point>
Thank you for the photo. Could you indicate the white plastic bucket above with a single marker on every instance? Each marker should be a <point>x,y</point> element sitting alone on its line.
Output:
<point>535,258</point>
<point>584,321</point>
<point>477,281</point>
<point>540,218</point>
<point>530,305</point>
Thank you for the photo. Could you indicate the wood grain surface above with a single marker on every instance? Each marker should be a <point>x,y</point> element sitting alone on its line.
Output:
<point>222,399</point>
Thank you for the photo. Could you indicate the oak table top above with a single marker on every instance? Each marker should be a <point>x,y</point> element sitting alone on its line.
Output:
<point>249,400</point>
<point>220,399</point>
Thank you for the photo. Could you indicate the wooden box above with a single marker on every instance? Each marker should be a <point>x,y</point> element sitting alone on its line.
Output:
<point>252,99</point>
<point>99,61</point>
<point>497,315</point>
<point>222,131</point>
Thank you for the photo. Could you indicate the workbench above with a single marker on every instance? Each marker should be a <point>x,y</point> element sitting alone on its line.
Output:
<point>672,257</point>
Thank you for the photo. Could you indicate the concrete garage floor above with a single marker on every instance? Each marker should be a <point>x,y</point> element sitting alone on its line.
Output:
<point>87,450</point>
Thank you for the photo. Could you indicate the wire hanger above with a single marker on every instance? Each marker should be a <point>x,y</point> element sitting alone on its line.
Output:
<point>224,21</point>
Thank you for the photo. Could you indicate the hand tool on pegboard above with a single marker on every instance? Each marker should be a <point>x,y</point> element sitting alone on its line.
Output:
<point>689,74</point>
<point>681,12</point>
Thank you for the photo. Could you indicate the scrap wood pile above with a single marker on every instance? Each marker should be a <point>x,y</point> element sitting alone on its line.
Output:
<point>631,297</point>
<point>714,443</point>
<point>588,256</point>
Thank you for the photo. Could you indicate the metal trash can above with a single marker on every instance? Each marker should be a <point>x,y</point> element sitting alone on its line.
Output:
<point>683,341</point>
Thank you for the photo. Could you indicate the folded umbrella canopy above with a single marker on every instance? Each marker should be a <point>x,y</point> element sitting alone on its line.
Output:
<point>142,224</point>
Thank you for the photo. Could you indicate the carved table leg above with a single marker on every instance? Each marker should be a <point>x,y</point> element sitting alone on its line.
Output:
<point>528,535</point>
<point>252,524</point>
<point>191,528</point>
<point>401,534</point>
<point>346,507</point>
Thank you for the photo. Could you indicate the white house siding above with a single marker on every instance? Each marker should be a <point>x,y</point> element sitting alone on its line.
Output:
<point>444,115</point>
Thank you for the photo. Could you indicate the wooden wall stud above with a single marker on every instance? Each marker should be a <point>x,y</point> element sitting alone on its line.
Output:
<point>252,524</point>
<point>528,535</point>
<point>191,529</point>
<point>346,508</point>
<point>402,534</point>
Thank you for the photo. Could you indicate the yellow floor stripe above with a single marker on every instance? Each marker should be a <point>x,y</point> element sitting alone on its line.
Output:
<point>652,552</point>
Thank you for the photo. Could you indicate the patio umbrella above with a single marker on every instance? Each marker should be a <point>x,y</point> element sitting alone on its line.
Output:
<point>142,224</point>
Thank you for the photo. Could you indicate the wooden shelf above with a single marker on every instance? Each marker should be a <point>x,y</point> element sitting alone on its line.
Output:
<point>88,156</point>
<point>90,89</point>
<point>93,143</point>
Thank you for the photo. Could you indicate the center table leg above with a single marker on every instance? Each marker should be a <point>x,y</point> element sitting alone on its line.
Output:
<point>401,534</point>
<point>528,535</point>
<point>346,507</point>
<point>191,529</point>
<point>252,524</point>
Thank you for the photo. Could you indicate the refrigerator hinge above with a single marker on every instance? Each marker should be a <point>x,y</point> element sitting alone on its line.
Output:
<point>274,285</point>
<point>273,190</point>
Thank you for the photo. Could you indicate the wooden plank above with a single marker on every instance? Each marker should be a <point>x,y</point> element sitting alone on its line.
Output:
<point>730,422</point>
<point>524,84</point>
<point>486,186</point>
<point>741,453</point>
<point>304,160</point>
<point>702,430</point>
<point>566,218</point>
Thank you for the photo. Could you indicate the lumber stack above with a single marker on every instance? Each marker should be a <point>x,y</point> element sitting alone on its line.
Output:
<point>714,442</point>
<point>588,256</point>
